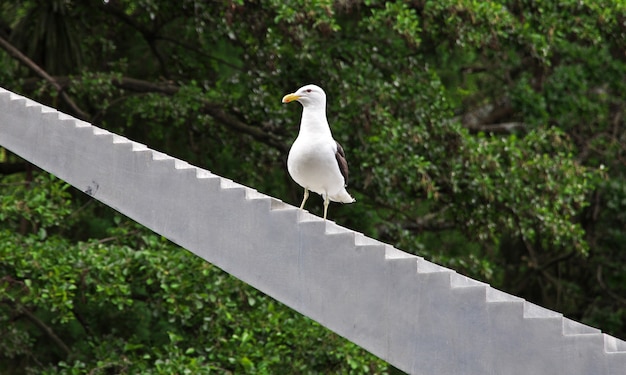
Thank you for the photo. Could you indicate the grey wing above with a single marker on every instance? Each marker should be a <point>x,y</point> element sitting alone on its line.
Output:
<point>342,162</point>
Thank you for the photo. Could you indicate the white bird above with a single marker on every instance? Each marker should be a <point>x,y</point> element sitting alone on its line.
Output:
<point>316,161</point>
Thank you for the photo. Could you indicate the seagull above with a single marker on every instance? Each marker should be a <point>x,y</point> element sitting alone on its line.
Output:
<point>316,161</point>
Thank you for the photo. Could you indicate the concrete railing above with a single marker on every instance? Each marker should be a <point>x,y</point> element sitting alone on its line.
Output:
<point>418,316</point>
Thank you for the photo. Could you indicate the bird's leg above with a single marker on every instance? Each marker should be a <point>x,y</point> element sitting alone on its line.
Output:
<point>326,201</point>
<point>306,196</point>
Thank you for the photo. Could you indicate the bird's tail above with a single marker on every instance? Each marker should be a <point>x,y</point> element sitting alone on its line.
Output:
<point>343,197</point>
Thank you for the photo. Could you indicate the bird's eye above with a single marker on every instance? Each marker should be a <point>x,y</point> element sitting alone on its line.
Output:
<point>309,90</point>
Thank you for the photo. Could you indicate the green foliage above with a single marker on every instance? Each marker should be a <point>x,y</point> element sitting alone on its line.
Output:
<point>527,187</point>
<point>43,203</point>
<point>484,135</point>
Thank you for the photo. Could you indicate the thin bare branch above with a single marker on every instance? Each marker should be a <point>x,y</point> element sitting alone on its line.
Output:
<point>506,127</point>
<point>46,329</point>
<point>23,59</point>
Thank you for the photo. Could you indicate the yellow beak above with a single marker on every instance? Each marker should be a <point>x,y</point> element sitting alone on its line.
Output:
<point>290,98</point>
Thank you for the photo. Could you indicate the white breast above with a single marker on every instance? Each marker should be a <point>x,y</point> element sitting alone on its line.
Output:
<point>312,164</point>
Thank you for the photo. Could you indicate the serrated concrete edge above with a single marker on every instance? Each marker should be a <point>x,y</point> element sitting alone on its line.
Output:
<point>418,316</point>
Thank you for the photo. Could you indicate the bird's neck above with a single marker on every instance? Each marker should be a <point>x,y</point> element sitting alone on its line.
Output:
<point>314,122</point>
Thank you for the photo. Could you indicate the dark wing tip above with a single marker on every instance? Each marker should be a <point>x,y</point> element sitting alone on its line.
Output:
<point>342,162</point>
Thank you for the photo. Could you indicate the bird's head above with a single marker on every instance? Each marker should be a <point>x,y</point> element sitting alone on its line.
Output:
<point>308,96</point>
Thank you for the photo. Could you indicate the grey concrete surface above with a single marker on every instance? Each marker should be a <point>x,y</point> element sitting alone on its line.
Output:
<point>420,317</point>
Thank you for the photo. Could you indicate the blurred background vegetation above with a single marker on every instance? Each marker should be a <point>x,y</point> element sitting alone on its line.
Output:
<point>487,136</point>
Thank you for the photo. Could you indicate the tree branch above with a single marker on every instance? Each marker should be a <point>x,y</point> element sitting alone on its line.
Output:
<point>126,83</point>
<point>433,221</point>
<point>45,328</point>
<point>505,127</point>
<point>487,118</point>
<point>122,16</point>
<point>213,110</point>
<point>140,86</point>
<point>557,259</point>
<point>23,59</point>
<point>148,34</point>
<point>196,50</point>
<point>603,285</point>
<point>236,124</point>
<point>209,108</point>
